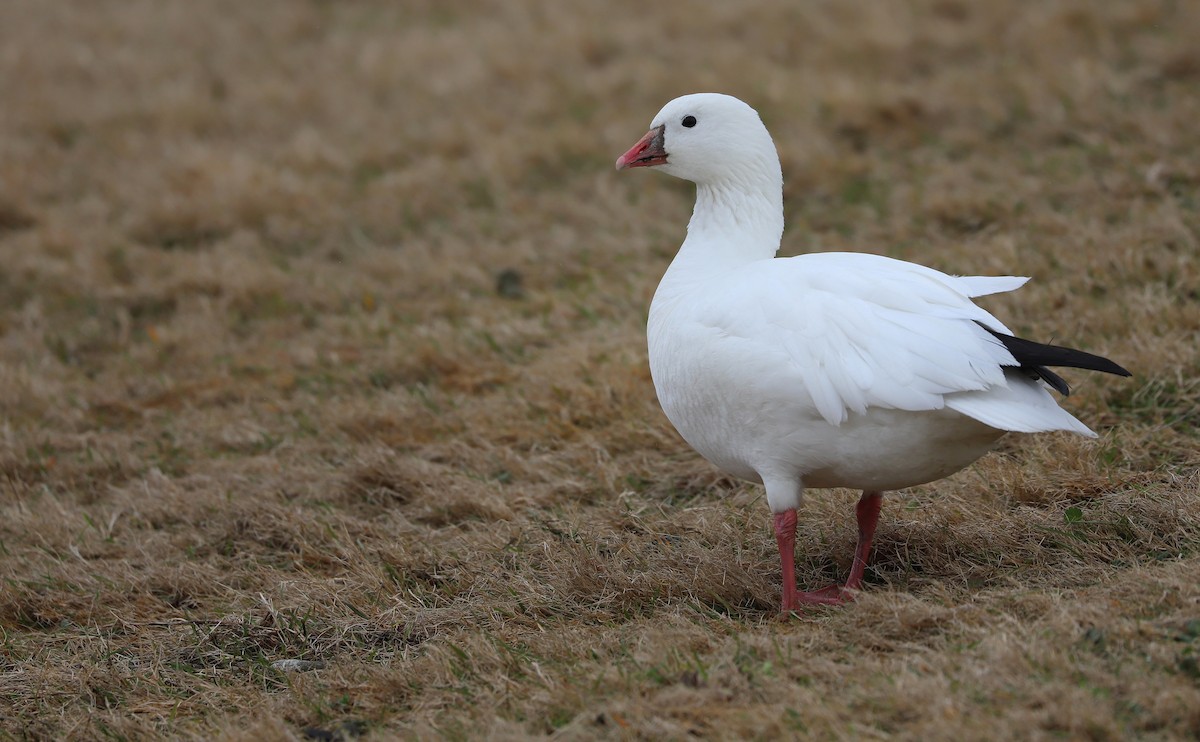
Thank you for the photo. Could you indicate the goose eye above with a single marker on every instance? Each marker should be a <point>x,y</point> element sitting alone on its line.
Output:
<point>689,121</point>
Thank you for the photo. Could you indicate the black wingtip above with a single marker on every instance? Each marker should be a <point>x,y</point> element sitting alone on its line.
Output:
<point>1119,370</point>
<point>1035,357</point>
<point>1056,382</point>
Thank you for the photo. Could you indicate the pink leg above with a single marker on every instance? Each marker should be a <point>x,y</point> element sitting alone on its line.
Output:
<point>785,536</point>
<point>867,512</point>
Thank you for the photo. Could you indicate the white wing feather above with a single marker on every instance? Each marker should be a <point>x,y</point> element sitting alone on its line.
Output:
<point>1024,406</point>
<point>865,331</point>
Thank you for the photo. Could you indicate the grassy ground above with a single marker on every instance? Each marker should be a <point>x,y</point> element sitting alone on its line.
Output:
<point>321,338</point>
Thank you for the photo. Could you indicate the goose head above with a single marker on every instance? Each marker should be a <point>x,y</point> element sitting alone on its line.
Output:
<point>707,138</point>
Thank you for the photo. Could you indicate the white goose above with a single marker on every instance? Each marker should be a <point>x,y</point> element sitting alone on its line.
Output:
<point>826,369</point>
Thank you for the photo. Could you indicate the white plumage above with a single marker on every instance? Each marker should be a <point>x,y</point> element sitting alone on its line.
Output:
<point>826,369</point>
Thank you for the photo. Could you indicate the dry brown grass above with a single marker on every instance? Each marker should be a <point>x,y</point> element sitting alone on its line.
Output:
<point>262,399</point>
